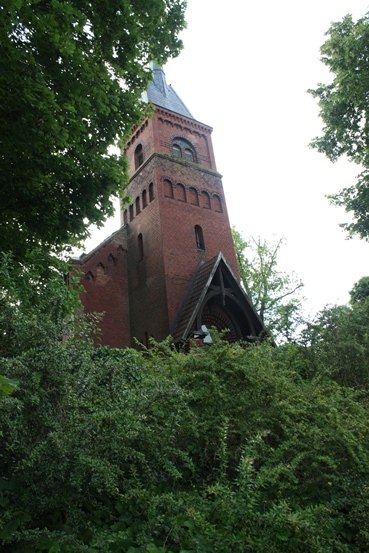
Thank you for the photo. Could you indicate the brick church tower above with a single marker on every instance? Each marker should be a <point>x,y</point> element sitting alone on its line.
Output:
<point>171,268</point>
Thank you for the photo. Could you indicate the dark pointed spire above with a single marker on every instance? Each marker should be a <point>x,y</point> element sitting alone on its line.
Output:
<point>160,94</point>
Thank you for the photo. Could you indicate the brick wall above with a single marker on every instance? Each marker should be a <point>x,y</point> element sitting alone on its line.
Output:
<point>105,280</point>
<point>139,276</point>
<point>186,194</point>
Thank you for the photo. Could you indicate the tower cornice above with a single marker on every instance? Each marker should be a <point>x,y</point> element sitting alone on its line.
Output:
<point>189,123</point>
<point>183,162</point>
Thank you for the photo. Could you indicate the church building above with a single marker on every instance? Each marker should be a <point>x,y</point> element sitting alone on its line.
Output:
<point>171,268</point>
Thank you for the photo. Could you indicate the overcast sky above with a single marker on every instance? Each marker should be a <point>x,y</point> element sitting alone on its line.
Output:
<point>244,70</point>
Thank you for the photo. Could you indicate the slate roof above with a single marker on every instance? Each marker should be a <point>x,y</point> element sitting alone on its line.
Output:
<point>160,94</point>
<point>196,293</point>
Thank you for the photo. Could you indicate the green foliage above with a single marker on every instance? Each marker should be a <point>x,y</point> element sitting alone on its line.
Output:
<point>34,301</point>
<point>345,112</point>
<point>7,385</point>
<point>71,78</point>
<point>339,343</point>
<point>273,293</point>
<point>360,291</point>
<point>220,449</point>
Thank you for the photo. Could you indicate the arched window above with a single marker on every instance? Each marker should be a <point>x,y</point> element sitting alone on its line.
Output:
<point>131,214</point>
<point>125,217</point>
<point>138,208</point>
<point>182,148</point>
<point>100,270</point>
<point>193,196</point>
<point>199,236</point>
<point>188,154</point>
<point>139,156</point>
<point>112,259</point>
<point>181,193</point>
<point>144,199</point>
<point>151,192</point>
<point>140,247</point>
<point>176,151</point>
<point>217,203</point>
<point>205,200</point>
<point>168,189</point>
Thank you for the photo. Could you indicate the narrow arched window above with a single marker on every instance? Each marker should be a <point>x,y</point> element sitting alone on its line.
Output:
<point>144,199</point>
<point>199,236</point>
<point>139,156</point>
<point>168,189</point>
<point>131,214</point>
<point>188,154</point>
<point>140,247</point>
<point>217,203</point>
<point>138,208</point>
<point>182,148</point>
<point>181,193</point>
<point>112,259</point>
<point>151,192</point>
<point>193,196</point>
<point>176,151</point>
<point>205,200</point>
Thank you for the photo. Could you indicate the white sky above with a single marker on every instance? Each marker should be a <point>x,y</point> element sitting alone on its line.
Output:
<point>244,70</point>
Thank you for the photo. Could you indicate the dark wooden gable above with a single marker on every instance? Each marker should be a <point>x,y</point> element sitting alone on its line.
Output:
<point>215,298</point>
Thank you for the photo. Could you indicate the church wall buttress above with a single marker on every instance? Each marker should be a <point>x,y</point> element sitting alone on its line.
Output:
<point>147,289</point>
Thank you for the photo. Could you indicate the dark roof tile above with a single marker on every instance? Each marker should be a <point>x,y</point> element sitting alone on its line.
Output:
<point>160,94</point>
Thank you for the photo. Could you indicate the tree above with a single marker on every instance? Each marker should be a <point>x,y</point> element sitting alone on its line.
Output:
<point>71,78</point>
<point>220,449</point>
<point>360,290</point>
<point>344,110</point>
<point>274,293</point>
<point>338,339</point>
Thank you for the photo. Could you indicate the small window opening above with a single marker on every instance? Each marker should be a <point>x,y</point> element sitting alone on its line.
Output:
<point>188,154</point>
<point>112,259</point>
<point>176,151</point>
<point>200,244</point>
<point>205,200</point>
<point>140,247</point>
<point>144,199</point>
<point>139,157</point>
<point>147,339</point>
<point>131,214</point>
<point>168,189</point>
<point>217,203</point>
<point>182,148</point>
<point>151,192</point>
<point>138,208</point>
<point>193,196</point>
<point>181,193</point>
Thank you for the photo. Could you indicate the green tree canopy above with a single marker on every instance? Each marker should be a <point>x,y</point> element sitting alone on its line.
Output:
<point>273,292</point>
<point>344,109</point>
<point>360,290</point>
<point>220,449</point>
<point>71,77</point>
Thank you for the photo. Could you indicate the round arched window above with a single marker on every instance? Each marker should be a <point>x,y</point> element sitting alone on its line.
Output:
<point>176,151</point>
<point>139,156</point>
<point>182,148</point>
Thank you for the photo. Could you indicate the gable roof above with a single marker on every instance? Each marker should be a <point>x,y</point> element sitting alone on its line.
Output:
<point>160,94</point>
<point>196,298</point>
